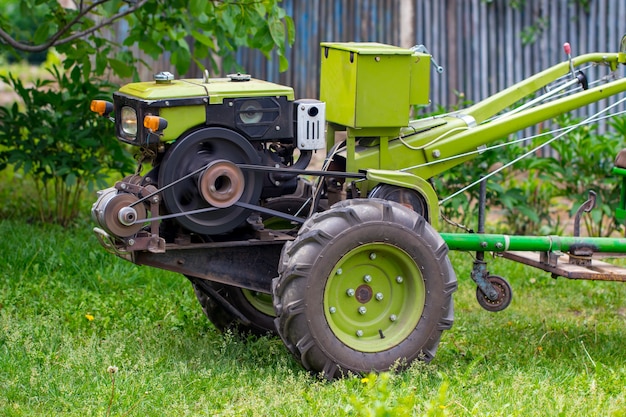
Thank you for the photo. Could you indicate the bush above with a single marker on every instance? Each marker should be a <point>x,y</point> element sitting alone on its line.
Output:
<point>58,143</point>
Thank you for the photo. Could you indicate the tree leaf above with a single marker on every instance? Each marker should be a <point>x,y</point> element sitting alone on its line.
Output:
<point>277,30</point>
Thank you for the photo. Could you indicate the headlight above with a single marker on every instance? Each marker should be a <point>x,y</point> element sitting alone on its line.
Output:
<point>129,121</point>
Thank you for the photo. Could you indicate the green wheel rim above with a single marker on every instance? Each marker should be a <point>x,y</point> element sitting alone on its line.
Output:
<point>374,297</point>
<point>260,301</point>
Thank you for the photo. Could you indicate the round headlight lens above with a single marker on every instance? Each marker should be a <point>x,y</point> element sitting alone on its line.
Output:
<point>129,121</point>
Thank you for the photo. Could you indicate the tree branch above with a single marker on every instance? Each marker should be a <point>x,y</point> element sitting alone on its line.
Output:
<point>56,38</point>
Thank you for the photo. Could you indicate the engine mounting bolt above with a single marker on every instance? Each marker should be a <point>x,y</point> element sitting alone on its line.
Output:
<point>399,279</point>
<point>393,317</point>
<point>372,256</point>
<point>332,310</point>
<point>362,310</point>
<point>436,153</point>
<point>350,292</point>
<point>379,296</point>
<point>359,333</point>
<point>367,278</point>
<point>339,271</point>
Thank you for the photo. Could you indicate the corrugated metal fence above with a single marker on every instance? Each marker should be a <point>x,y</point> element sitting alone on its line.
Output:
<point>478,42</point>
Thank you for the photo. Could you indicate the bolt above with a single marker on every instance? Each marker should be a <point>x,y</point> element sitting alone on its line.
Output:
<point>367,278</point>
<point>362,310</point>
<point>483,244</point>
<point>350,292</point>
<point>499,245</point>
<point>123,186</point>
<point>277,183</point>
<point>339,271</point>
<point>393,317</point>
<point>379,296</point>
<point>436,153</point>
<point>359,333</point>
<point>131,242</point>
<point>332,310</point>
<point>399,279</point>
<point>372,256</point>
<point>277,127</point>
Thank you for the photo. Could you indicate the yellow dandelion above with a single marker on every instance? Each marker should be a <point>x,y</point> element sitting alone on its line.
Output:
<point>89,317</point>
<point>539,348</point>
<point>365,380</point>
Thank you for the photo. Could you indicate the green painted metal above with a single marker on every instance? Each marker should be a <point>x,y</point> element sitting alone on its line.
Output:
<point>455,134</point>
<point>502,243</point>
<point>216,89</point>
<point>374,297</point>
<point>620,211</point>
<point>370,85</point>
<point>410,181</point>
<point>261,301</point>
<point>180,119</point>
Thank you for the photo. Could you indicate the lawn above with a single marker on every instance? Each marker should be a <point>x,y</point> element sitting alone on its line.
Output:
<point>85,333</point>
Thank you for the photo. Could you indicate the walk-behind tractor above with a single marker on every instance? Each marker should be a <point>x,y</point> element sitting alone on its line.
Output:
<point>345,262</point>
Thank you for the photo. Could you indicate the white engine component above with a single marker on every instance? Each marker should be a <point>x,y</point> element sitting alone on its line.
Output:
<point>310,124</point>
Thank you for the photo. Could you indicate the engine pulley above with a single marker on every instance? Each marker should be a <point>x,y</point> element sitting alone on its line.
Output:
<point>221,184</point>
<point>113,212</point>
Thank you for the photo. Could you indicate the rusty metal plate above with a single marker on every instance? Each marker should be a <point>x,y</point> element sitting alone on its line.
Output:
<point>597,271</point>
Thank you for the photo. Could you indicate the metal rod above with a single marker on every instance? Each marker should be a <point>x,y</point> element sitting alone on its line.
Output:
<point>502,243</point>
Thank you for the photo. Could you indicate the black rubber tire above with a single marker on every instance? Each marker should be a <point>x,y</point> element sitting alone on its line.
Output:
<point>260,323</point>
<point>306,264</point>
<point>505,295</point>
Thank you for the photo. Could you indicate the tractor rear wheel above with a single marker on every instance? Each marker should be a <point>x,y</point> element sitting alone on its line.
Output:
<point>366,286</point>
<point>256,308</point>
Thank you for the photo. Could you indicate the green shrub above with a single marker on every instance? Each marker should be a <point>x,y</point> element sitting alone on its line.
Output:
<point>55,141</point>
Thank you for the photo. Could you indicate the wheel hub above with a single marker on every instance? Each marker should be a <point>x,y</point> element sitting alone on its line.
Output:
<point>374,297</point>
<point>364,293</point>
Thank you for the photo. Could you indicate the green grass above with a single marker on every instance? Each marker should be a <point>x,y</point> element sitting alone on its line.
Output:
<point>557,350</point>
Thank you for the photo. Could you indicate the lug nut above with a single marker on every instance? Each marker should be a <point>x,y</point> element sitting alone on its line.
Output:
<point>332,310</point>
<point>362,310</point>
<point>339,271</point>
<point>399,279</point>
<point>372,256</point>
<point>359,333</point>
<point>350,292</point>
<point>393,317</point>
<point>379,296</point>
<point>367,278</point>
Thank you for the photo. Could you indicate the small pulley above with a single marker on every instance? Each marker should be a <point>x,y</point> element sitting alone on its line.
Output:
<point>114,212</point>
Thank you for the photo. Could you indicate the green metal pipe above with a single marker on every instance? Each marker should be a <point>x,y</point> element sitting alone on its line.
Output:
<point>501,243</point>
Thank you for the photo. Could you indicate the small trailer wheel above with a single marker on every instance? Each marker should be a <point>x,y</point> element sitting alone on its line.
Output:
<point>505,294</point>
